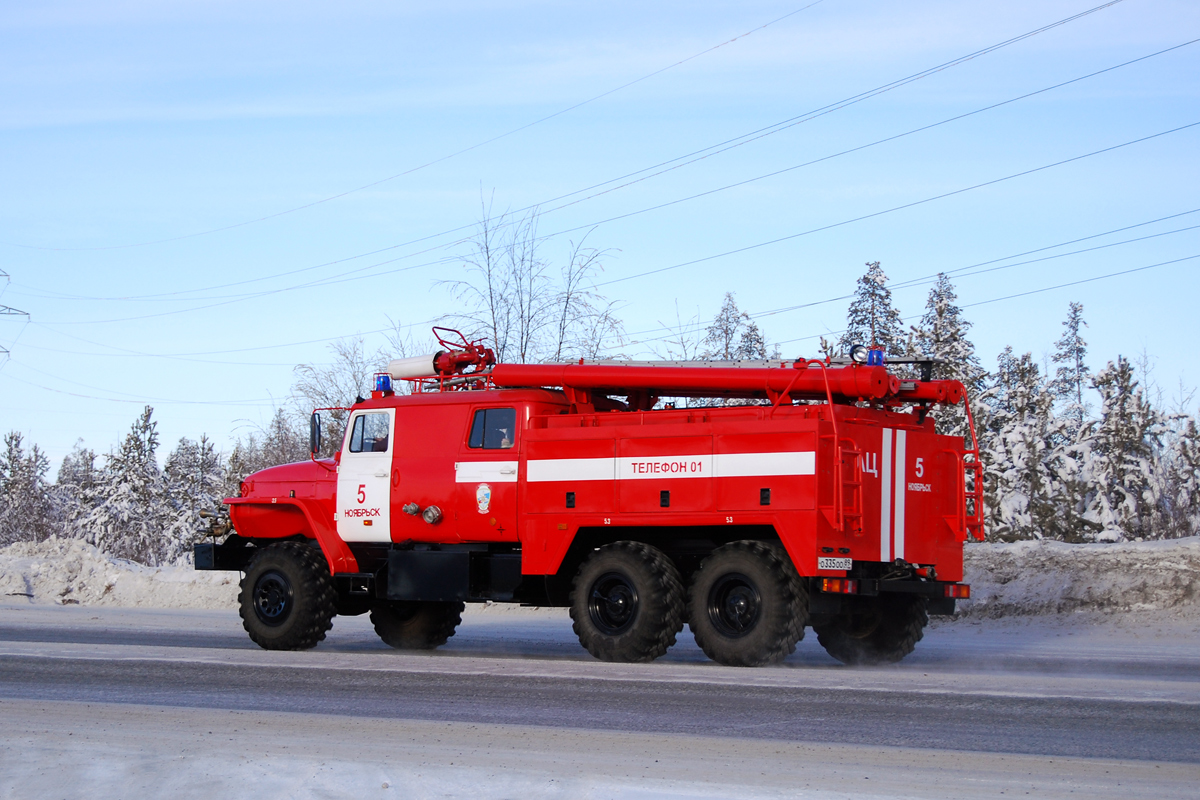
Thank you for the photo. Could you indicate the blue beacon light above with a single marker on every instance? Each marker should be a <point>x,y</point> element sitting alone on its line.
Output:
<point>383,383</point>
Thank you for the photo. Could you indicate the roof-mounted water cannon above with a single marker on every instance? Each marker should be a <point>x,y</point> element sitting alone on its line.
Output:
<point>461,354</point>
<point>461,357</point>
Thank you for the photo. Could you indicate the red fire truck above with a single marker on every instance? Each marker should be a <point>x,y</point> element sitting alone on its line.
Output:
<point>781,495</point>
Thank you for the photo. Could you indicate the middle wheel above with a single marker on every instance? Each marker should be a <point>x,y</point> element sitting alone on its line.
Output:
<point>627,603</point>
<point>416,625</point>
<point>747,606</point>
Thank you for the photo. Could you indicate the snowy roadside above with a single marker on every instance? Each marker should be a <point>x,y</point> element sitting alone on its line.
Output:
<point>71,572</point>
<point>1023,579</point>
<point>1041,578</point>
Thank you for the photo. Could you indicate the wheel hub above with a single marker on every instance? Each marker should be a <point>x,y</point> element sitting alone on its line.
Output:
<point>273,598</point>
<point>734,605</point>
<point>862,623</point>
<point>613,603</point>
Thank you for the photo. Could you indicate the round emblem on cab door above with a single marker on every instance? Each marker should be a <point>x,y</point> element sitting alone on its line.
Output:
<point>483,497</point>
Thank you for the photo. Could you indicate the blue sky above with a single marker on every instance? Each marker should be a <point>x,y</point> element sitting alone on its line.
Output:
<point>128,128</point>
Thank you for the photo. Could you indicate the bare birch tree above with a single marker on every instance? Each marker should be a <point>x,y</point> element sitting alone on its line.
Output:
<point>683,341</point>
<point>514,298</point>
<point>336,385</point>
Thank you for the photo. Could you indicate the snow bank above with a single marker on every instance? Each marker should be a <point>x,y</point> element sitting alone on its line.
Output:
<point>1045,577</point>
<point>68,571</point>
<point>1007,580</point>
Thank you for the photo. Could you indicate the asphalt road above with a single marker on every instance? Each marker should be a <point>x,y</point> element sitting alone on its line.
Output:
<point>876,716</point>
<point>1149,708</point>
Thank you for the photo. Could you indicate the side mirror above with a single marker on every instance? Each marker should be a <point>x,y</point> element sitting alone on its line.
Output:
<point>314,434</point>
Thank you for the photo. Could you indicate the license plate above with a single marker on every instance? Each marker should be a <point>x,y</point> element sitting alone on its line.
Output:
<point>834,563</point>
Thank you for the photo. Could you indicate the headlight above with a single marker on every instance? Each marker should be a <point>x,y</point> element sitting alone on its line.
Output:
<point>859,353</point>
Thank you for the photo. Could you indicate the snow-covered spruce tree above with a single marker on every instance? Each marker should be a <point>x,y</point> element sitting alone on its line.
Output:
<point>281,442</point>
<point>1181,496</point>
<point>733,336</point>
<point>1072,486</point>
<point>1124,456</point>
<point>942,334</point>
<point>76,491</point>
<point>1072,376</point>
<point>131,510</point>
<point>195,482</point>
<point>871,318</point>
<point>26,512</point>
<point>1015,427</point>
<point>244,459</point>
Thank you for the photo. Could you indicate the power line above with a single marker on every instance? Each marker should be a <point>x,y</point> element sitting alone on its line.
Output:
<point>1026,294</point>
<point>694,156</point>
<point>960,271</point>
<point>255,404</point>
<point>592,225</point>
<point>138,398</point>
<point>184,356</point>
<point>1072,241</point>
<point>135,354</point>
<point>1084,280</point>
<point>9,311</point>
<point>236,298</point>
<point>329,281</point>
<point>271,401</point>
<point>942,196</point>
<point>860,147</point>
<point>17,338</point>
<point>189,356</point>
<point>439,160</point>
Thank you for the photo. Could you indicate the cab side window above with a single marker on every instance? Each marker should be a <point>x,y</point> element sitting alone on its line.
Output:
<point>370,433</point>
<point>493,429</point>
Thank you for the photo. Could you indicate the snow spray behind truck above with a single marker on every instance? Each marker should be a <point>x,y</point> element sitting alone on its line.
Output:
<point>807,493</point>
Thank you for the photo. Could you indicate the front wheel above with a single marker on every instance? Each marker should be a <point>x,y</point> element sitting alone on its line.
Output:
<point>875,630</point>
<point>627,603</point>
<point>747,606</point>
<point>287,599</point>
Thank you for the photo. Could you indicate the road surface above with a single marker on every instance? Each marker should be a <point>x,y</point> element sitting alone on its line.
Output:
<point>98,700</point>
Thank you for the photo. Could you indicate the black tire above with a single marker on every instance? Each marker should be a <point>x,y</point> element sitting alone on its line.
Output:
<point>747,606</point>
<point>287,599</point>
<point>877,630</point>
<point>627,603</point>
<point>415,625</point>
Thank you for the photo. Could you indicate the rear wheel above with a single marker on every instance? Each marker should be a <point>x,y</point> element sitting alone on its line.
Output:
<point>747,605</point>
<point>627,603</point>
<point>876,630</point>
<point>412,625</point>
<point>287,599</point>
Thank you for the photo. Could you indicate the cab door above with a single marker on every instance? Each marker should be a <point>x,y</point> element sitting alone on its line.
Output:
<point>363,500</point>
<point>485,476</point>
